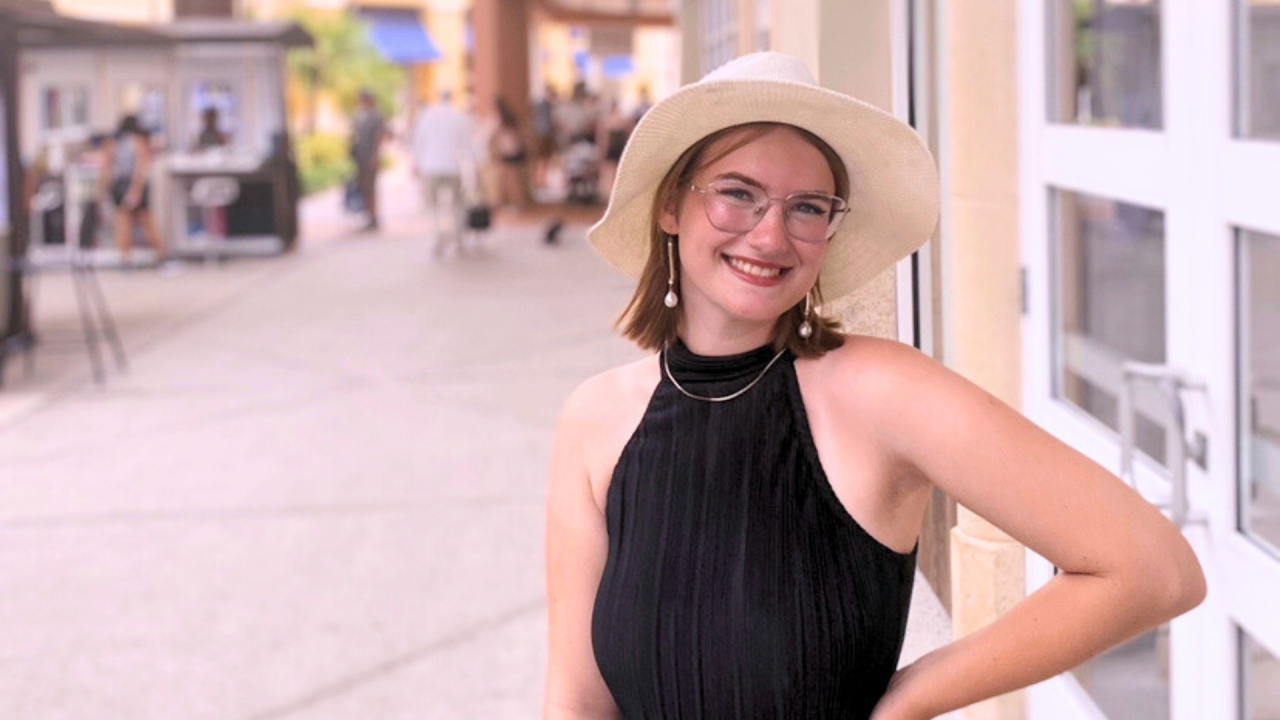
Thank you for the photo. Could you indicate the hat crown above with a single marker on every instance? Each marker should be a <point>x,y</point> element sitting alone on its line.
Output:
<point>767,66</point>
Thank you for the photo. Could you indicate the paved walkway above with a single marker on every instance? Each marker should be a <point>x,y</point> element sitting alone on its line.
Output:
<point>317,493</point>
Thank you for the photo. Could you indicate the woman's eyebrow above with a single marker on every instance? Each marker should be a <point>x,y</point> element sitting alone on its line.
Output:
<point>740,178</point>
<point>748,180</point>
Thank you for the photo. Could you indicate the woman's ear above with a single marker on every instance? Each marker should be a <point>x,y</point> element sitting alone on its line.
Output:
<point>667,220</point>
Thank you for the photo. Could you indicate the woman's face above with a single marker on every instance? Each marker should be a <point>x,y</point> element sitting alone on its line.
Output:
<point>749,278</point>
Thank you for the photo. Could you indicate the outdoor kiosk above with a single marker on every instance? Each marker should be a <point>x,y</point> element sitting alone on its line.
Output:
<point>233,71</point>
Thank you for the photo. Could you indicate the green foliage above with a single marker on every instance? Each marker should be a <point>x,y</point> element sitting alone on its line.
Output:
<point>1086,39</point>
<point>323,161</point>
<point>342,61</point>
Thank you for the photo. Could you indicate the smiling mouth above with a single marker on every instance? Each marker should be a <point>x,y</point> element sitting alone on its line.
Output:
<point>760,271</point>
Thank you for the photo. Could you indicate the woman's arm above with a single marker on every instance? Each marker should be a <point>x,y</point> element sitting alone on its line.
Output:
<point>102,183</point>
<point>141,167</point>
<point>577,545</point>
<point>1125,568</point>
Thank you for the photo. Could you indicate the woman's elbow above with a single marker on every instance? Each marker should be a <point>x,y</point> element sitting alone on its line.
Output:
<point>1192,586</point>
<point>1181,583</point>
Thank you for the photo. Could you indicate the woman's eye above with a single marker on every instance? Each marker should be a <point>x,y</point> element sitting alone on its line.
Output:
<point>742,195</point>
<point>807,207</point>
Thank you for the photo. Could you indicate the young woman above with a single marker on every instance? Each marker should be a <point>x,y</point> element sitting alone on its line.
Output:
<point>733,521</point>
<point>509,148</point>
<point>128,164</point>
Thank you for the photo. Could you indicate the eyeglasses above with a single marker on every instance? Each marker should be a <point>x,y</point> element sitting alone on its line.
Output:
<point>737,207</point>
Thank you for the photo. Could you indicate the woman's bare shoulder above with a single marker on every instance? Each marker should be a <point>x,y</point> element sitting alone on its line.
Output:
<point>603,412</point>
<point>864,362</point>
<point>860,382</point>
<point>598,397</point>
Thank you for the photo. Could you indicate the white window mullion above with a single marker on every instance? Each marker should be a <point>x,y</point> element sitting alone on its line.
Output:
<point>1127,165</point>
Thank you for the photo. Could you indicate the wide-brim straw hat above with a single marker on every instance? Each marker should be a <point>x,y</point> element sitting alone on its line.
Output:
<point>893,203</point>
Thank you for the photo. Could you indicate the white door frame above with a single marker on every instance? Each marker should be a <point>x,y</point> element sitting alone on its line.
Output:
<point>911,71</point>
<point>1206,184</point>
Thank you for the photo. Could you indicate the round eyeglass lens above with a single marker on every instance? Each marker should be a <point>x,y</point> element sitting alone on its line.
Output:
<point>738,208</point>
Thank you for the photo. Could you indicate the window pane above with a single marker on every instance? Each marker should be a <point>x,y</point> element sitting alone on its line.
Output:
<point>1109,307</point>
<point>1260,676</point>
<point>1131,681</point>
<point>1258,69</point>
<point>1104,62</point>
<point>719,27</point>
<point>51,117</point>
<point>1259,312</point>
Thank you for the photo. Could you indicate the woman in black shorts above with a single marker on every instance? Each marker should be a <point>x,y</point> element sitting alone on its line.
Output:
<point>128,163</point>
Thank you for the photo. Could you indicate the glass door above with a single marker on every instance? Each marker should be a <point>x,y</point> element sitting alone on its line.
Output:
<point>1151,237</point>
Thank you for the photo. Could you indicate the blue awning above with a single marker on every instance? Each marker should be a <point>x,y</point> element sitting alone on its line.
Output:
<point>399,36</point>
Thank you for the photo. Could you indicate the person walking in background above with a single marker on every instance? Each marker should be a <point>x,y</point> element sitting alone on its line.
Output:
<point>127,164</point>
<point>440,147</point>
<point>642,105</point>
<point>368,130</point>
<point>544,138</point>
<point>508,147</point>
<point>576,118</point>
<point>611,136</point>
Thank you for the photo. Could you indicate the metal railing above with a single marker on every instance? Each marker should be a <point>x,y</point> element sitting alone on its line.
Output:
<point>1171,382</point>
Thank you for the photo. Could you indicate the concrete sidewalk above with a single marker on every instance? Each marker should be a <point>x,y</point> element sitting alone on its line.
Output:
<point>317,493</point>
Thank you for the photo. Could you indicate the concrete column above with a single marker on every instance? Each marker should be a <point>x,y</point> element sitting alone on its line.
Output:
<point>981,214</point>
<point>501,31</point>
<point>690,42</point>
<point>796,28</point>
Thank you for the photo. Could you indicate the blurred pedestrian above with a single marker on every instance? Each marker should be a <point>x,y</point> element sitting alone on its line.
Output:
<point>576,118</point>
<point>643,103</point>
<point>209,220</point>
<point>368,130</point>
<point>440,146</point>
<point>611,136</point>
<point>127,165</point>
<point>544,138</point>
<point>210,135</point>
<point>509,148</point>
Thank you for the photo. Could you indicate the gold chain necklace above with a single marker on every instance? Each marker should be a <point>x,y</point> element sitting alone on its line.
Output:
<point>723,398</point>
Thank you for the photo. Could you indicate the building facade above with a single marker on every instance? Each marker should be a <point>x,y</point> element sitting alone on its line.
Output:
<point>477,50</point>
<point>1107,262</point>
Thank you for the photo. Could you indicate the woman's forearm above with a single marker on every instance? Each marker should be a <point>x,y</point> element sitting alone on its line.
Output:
<point>1071,619</point>
<point>141,164</point>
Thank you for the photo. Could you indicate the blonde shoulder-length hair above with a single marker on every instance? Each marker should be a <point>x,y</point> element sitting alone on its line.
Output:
<point>649,323</point>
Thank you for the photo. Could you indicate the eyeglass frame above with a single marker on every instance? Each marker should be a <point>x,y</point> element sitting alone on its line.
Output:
<point>770,200</point>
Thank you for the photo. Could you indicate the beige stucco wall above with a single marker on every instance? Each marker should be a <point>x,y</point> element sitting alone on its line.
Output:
<point>849,46</point>
<point>982,307</point>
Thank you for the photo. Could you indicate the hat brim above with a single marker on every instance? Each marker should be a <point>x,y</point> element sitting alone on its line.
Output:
<point>893,204</point>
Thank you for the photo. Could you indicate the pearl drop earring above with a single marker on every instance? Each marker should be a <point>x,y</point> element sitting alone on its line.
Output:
<point>671,300</point>
<point>805,329</point>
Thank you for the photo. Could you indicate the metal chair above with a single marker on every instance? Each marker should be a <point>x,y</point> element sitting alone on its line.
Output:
<point>213,195</point>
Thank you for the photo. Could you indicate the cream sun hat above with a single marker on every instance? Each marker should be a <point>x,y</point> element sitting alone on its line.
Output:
<point>892,177</point>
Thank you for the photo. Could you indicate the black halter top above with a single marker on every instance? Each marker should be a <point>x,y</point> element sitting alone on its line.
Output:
<point>737,586</point>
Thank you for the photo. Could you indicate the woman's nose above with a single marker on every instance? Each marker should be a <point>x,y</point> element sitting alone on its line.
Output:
<point>771,231</point>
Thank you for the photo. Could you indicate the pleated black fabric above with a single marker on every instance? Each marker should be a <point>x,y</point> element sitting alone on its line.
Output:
<point>737,585</point>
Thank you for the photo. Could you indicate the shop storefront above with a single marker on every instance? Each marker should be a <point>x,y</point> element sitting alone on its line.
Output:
<point>24,25</point>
